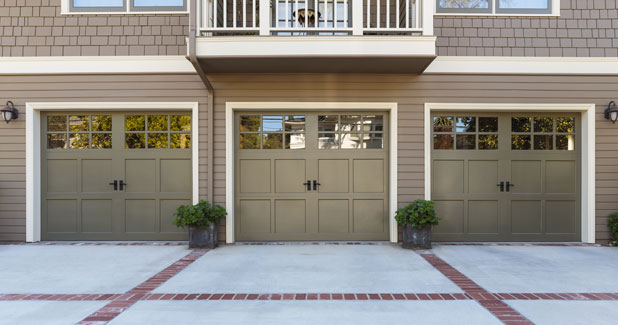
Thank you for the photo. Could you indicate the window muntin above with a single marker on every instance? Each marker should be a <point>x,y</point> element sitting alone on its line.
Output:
<point>541,133</point>
<point>157,131</point>
<point>270,131</point>
<point>127,5</point>
<point>79,131</point>
<point>350,131</point>
<point>494,6</point>
<point>465,132</point>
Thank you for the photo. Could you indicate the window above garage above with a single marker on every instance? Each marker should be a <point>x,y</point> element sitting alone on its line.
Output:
<point>499,7</point>
<point>124,6</point>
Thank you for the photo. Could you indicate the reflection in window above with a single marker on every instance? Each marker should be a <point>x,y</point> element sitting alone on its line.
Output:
<point>56,141</point>
<point>272,123</point>
<point>350,123</point>
<point>180,141</point>
<point>488,141</point>
<point>459,4</point>
<point>57,123</point>
<point>249,123</point>
<point>524,4</point>
<point>466,124</point>
<point>157,140</point>
<point>81,131</point>
<point>101,140</point>
<point>250,141</point>
<point>101,123</point>
<point>565,142</point>
<point>464,132</point>
<point>328,141</point>
<point>160,131</point>
<point>543,124</point>
<point>565,124</point>
<point>520,142</point>
<point>79,123</point>
<point>350,131</point>
<point>442,124</point>
<point>328,123</point>
<point>157,123</point>
<point>135,123</point>
<point>98,3</point>
<point>79,141</point>
<point>443,141</point>
<point>135,140</point>
<point>351,140</point>
<point>466,141</point>
<point>272,132</point>
<point>543,142</point>
<point>488,124</point>
<point>520,124</point>
<point>272,141</point>
<point>295,123</point>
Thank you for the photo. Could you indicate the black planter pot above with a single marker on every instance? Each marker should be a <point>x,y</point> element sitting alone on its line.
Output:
<point>414,238</point>
<point>203,237</point>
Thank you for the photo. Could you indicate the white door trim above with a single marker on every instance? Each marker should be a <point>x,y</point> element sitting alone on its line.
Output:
<point>33,147</point>
<point>587,152</point>
<point>230,107</point>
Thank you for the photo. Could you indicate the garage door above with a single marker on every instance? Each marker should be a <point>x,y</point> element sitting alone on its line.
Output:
<point>114,176</point>
<point>311,176</point>
<point>506,177</point>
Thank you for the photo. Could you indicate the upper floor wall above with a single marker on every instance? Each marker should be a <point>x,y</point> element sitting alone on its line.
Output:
<point>40,28</point>
<point>585,28</point>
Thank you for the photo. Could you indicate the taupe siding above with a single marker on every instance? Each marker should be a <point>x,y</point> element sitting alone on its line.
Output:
<point>586,28</point>
<point>36,28</point>
<point>22,89</point>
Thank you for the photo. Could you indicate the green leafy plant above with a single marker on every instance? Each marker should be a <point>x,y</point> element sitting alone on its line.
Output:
<point>613,228</point>
<point>418,214</point>
<point>199,215</point>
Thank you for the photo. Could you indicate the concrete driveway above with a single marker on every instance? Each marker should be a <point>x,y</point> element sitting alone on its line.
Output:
<point>307,284</point>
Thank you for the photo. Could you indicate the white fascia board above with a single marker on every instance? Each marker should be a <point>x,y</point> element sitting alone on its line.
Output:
<point>94,65</point>
<point>523,65</point>
<point>315,46</point>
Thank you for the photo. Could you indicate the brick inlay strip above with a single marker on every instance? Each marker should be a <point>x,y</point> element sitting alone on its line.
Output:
<point>492,302</point>
<point>122,302</point>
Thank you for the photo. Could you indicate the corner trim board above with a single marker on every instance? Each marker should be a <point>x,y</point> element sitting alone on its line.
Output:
<point>33,147</point>
<point>230,107</point>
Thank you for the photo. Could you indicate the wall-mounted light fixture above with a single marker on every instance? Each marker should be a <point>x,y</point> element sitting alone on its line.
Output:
<point>9,112</point>
<point>611,112</point>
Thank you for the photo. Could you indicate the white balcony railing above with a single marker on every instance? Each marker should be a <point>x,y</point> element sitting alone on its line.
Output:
<point>313,17</point>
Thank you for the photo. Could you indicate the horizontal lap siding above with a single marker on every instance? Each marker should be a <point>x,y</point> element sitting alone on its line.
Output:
<point>411,93</point>
<point>109,88</point>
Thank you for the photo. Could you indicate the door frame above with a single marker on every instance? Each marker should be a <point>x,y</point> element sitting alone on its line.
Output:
<point>587,147</point>
<point>231,107</point>
<point>33,147</point>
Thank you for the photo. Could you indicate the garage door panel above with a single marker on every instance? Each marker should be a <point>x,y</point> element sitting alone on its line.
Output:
<point>168,208</point>
<point>451,214</point>
<point>483,176</point>
<point>290,216</point>
<point>140,215</point>
<point>141,175</point>
<point>254,216</point>
<point>96,175</point>
<point>333,175</point>
<point>483,217</point>
<point>62,175</point>
<point>333,216</point>
<point>368,175</point>
<point>61,216</point>
<point>526,217</point>
<point>448,176</point>
<point>526,175</point>
<point>561,217</point>
<point>368,216</point>
<point>560,176</point>
<point>255,176</point>
<point>290,174</point>
<point>175,175</point>
<point>96,216</point>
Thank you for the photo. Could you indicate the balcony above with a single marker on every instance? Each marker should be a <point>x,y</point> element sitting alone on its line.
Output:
<point>328,36</point>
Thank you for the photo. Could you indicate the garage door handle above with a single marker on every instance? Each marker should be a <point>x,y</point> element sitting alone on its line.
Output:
<point>508,186</point>
<point>315,185</point>
<point>122,185</point>
<point>115,183</point>
<point>501,186</point>
<point>308,184</point>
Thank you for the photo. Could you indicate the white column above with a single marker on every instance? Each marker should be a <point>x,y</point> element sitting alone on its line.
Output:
<point>428,10</point>
<point>264,17</point>
<point>357,17</point>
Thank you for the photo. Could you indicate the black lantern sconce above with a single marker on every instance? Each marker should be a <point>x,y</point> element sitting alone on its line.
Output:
<point>9,112</point>
<point>611,112</point>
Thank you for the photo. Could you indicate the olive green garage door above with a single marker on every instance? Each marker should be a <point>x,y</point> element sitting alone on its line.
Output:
<point>114,176</point>
<point>311,176</point>
<point>506,177</point>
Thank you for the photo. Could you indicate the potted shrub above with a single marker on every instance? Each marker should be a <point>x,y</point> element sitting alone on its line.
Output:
<point>202,220</point>
<point>416,219</point>
<point>613,229</point>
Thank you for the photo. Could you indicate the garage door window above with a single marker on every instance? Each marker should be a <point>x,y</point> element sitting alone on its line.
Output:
<point>272,132</point>
<point>350,131</point>
<point>157,131</point>
<point>79,132</point>
<point>541,133</point>
<point>465,133</point>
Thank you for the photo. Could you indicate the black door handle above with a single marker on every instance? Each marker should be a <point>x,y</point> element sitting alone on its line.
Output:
<point>115,183</point>
<point>508,186</point>
<point>308,184</point>
<point>122,185</point>
<point>315,185</point>
<point>501,186</point>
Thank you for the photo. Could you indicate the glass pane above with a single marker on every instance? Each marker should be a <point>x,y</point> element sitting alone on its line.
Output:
<point>488,124</point>
<point>350,123</point>
<point>520,142</point>
<point>101,140</point>
<point>157,123</point>
<point>79,140</point>
<point>466,124</point>
<point>180,141</point>
<point>520,124</point>
<point>157,140</point>
<point>467,142</point>
<point>250,141</point>
<point>543,124</point>
<point>101,123</point>
<point>350,140</point>
<point>158,3</point>
<point>373,123</point>
<point>56,140</point>
<point>543,142</point>
<point>135,140</point>
<point>565,142</point>
<point>294,141</point>
<point>249,123</point>
<point>295,123</point>
<point>470,4</point>
<point>180,123</point>
<point>97,3</point>
<point>272,141</point>
<point>373,141</point>
<point>443,124</point>
<point>57,123</point>
<point>327,123</point>
<point>328,141</point>
<point>272,123</point>
<point>488,141</point>
<point>524,4</point>
<point>135,123</point>
<point>79,123</point>
<point>565,124</point>
<point>442,141</point>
